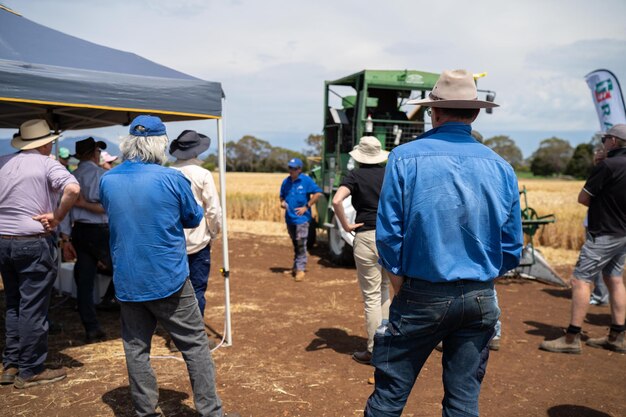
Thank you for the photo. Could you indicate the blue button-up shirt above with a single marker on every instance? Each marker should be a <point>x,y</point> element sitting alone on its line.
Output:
<point>297,194</point>
<point>148,207</point>
<point>449,209</point>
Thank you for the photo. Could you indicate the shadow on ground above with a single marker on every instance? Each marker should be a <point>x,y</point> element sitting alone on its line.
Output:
<point>170,401</point>
<point>545,330</point>
<point>338,340</point>
<point>559,292</point>
<point>568,410</point>
<point>598,319</point>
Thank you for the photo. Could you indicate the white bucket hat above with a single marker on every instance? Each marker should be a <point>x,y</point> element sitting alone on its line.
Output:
<point>455,89</point>
<point>33,134</point>
<point>368,151</point>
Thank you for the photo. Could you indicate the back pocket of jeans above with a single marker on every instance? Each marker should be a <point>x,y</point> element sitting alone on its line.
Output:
<point>489,310</point>
<point>422,318</point>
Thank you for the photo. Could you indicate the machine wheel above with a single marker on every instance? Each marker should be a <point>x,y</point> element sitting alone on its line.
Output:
<point>340,252</point>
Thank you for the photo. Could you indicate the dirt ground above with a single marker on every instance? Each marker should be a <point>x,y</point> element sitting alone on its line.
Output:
<point>292,344</point>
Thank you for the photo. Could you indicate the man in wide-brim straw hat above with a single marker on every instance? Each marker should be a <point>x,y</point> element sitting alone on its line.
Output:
<point>448,224</point>
<point>364,184</point>
<point>30,185</point>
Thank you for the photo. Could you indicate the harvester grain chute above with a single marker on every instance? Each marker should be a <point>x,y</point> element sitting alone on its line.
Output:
<point>533,265</point>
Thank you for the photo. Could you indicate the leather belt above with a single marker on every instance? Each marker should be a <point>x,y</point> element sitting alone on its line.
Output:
<point>23,237</point>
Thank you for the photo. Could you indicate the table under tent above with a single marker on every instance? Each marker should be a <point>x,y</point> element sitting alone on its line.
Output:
<point>75,84</point>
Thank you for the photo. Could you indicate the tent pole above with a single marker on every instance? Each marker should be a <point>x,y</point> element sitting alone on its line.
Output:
<point>221,154</point>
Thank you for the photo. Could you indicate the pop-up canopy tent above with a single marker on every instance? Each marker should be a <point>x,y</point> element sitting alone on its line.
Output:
<point>75,84</point>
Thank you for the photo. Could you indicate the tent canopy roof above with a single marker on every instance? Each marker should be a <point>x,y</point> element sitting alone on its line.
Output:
<point>76,84</point>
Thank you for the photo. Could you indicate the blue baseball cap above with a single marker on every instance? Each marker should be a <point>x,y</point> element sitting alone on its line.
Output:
<point>295,163</point>
<point>146,125</point>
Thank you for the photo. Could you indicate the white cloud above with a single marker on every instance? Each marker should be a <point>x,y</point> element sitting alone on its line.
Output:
<point>273,56</point>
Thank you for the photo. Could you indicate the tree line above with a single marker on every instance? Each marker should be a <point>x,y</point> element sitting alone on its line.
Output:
<point>554,157</point>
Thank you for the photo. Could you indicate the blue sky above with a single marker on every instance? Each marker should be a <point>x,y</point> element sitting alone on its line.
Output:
<point>272,57</point>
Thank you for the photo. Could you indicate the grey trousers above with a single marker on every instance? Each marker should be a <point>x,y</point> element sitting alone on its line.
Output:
<point>179,315</point>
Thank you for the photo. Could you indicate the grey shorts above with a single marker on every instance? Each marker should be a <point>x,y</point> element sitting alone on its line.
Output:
<point>604,254</point>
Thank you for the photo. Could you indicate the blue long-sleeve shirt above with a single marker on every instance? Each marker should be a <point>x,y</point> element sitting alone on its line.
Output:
<point>449,209</point>
<point>148,206</point>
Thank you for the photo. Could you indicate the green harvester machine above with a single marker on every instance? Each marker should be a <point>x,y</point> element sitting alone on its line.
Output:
<point>372,103</point>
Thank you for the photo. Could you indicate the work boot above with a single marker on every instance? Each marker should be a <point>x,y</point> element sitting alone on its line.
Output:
<point>93,336</point>
<point>569,343</point>
<point>48,376</point>
<point>299,276</point>
<point>614,341</point>
<point>494,344</point>
<point>9,375</point>
<point>364,357</point>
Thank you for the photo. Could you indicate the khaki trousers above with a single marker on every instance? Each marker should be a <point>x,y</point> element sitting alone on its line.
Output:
<point>373,281</point>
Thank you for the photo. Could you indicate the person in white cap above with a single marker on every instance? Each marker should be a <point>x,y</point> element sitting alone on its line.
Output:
<point>604,250</point>
<point>30,185</point>
<point>448,225</point>
<point>364,185</point>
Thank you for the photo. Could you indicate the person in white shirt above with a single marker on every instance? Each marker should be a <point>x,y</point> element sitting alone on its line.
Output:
<point>186,149</point>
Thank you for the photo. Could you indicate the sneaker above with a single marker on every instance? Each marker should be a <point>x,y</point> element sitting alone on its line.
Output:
<point>9,375</point>
<point>48,376</point>
<point>494,344</point>
<point>561,345</point>
<point>95,336</point>
<point>299,276</point>
<point>596,302</point>
<point>614,341</point>
<point>364,357</point>
<point>439,347</point>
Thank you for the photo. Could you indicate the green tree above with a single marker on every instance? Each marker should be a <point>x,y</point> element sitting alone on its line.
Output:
<point>314,142</point>
<point>507,149</point>
<point>247,154</point>
<point>579,166</point>
<point>210,162</point>
<point>552,157</point>
<point>251,154</point>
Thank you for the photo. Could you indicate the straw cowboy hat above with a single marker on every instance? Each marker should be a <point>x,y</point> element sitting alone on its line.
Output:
<point>368,151</point>
<point>455,89</point>
<point>33,134</point>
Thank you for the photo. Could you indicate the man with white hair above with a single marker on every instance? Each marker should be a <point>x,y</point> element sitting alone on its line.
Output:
<point>148,207</point>
<point>30,185</point>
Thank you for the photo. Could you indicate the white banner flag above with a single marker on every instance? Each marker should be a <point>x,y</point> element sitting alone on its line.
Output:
<point>607,96</point>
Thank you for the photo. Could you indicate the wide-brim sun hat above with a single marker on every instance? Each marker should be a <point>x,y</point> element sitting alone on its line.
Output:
<point>369,151</point>
<point>189,144</point>
<point>455,89</point>
<point>33,134</point>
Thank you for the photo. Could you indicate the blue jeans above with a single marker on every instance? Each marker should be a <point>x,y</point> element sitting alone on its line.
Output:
<point>299,234</point>
<point>179,315</point>
<point>463,315</point>
<point>28,268</point>
<point>199,269</point>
